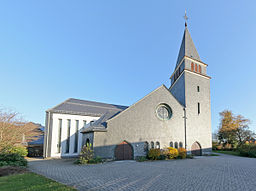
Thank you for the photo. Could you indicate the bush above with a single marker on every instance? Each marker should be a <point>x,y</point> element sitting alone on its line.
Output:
<point>20,150</point>
<point>189,156</point>
<point>219,147</point>
<point>173,153</point>
<point>182,153</point>
<point>12,160</point>
<point>214,145</point>
<point>247,150</point>
<point>95,160</point>
<point>227,147</point>
<point>86,154</point>
<point>164,154</point>
<point>154,154</point>
<point>142,159</point>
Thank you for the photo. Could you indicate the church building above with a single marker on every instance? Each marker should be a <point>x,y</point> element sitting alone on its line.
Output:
<point>178,116</point>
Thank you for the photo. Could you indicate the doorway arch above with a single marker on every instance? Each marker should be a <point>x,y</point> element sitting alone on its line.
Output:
<point>196,149</point>
<point>124,151</point>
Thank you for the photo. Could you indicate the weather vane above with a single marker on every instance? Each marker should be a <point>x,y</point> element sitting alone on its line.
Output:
<point>185,18</point>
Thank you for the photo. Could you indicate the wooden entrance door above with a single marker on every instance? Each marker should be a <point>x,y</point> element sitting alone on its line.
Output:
<point>196,149</point>
<point>123,151</point>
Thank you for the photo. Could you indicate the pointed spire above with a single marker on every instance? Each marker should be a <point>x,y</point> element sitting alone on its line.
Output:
<point>187,47</point>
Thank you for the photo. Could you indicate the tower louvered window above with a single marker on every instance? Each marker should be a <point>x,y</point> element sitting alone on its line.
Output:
<point>200,70</point>
<point>192,66</point>
<point>196,67</point>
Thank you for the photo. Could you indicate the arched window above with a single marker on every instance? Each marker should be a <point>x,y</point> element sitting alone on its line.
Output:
<point>192,66</point>
<point>171,144</point>
<point>200,69</point>
<point>176,145</point>
<point>157,145</point>
<point>87,143</point>
<point>196,67</point>
<point>152,145</point>
<point>181,145</point>
<point>146,146</point>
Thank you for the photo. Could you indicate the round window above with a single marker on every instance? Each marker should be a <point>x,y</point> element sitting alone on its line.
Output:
<point>164,112</point>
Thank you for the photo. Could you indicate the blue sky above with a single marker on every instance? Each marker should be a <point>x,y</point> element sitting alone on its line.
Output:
<point>119,51</point>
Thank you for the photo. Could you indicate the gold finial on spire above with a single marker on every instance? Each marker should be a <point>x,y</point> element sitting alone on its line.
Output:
<point>185,18</point>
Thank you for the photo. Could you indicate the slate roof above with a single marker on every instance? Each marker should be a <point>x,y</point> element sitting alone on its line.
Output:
<point>85,107</point>
<point>187,48</point>
<point>101,123</point>
<point>39,141</point>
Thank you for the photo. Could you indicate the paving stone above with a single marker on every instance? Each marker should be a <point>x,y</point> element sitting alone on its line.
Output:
<point>211,173</point>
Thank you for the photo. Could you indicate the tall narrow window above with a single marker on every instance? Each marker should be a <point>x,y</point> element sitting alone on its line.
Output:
<point>196,67</point>
<point>157,145</point>
<point>152,145</point>
<point>198,108</point>
<point>146,146</point>
<point>176,145</point>
<point>87,143</point>
<point>192,66</point>
<point>181,145</point>
<point>59,135</point>
<point>76,137</point>
<point>198,89</point>
<point>68,136</point>
<point>200,69</point>
<point>171,144</point>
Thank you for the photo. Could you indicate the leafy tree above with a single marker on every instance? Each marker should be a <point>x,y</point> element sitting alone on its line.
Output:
<point>234,129</point>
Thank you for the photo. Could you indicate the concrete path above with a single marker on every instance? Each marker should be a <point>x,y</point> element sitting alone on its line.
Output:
<point>224,172</point>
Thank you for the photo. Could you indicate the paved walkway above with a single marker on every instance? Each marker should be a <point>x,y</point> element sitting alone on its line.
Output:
<point>223,172</point>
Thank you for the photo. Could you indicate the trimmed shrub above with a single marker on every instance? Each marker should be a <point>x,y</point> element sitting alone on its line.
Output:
<point>173,153</point>
<point>12,160</point>
<point>154,154</point>
<point>182,153</point>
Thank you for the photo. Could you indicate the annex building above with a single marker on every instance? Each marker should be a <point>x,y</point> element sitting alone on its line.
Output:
<point>176,116</point>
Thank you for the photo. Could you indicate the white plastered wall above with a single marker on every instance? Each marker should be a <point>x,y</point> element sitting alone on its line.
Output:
<point>55,129</point>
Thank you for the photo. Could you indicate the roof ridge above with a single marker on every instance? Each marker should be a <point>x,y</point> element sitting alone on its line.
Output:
<point>94,102</point>
<point>98,106</point>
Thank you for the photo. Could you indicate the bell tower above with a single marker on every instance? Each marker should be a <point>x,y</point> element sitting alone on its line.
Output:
<point>190,85</point>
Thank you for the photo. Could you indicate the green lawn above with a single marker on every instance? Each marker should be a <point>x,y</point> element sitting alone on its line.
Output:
<point>30,182</point>
<point>228,152</point>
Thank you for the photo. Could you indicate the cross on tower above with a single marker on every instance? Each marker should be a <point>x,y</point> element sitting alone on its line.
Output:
<point>185,18</point>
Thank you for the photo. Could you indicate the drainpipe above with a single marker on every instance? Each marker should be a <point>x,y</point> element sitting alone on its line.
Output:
<point>185,127</point>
